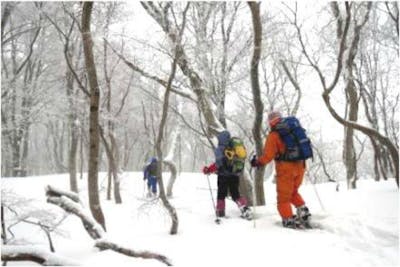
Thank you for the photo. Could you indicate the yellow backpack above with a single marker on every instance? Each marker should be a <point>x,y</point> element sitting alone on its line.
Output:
<point>236,154</point>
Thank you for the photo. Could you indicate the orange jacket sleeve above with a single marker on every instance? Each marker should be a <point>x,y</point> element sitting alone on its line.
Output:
<point>272,147</point>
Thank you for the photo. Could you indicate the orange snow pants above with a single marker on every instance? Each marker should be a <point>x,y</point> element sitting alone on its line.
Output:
<point>288,180</point>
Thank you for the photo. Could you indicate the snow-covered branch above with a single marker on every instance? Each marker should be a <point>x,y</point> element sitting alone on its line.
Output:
<point>35,254</point>
<point>63,200</point>
<point>105,244</point>
<point>56,192</point>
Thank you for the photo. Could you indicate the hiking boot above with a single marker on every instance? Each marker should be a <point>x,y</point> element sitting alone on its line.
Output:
<point>303,214</point>
<point>292,222</point>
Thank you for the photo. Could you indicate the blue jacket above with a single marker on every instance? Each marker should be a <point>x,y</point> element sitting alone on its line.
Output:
<point>223,141</point>
<point>151,168</point>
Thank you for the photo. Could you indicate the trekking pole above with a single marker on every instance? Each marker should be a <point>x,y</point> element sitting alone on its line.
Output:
<point>254,197</point>
<point>316,192</point>
<point>217,220</point>
<point>144,188</point>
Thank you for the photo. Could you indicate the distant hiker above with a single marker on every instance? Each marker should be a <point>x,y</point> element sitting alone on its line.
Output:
<point>288,145</point>
<point>230,156</point>
<point>150,174</point>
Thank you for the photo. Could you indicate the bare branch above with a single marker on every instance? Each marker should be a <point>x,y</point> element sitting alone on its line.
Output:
<point>148,75</point>
<point>104,244</point>
<point>295,84</point>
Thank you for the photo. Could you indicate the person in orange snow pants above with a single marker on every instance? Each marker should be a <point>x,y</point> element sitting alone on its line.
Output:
<point>289,175</point>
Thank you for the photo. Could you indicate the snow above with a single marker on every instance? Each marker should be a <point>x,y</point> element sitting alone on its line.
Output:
<point>360,227</point>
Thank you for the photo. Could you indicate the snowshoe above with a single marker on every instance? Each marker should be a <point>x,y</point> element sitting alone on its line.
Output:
<point>246,213</point>
<point>296,223</point>
<point>292,222</point>
<point>304,215</point>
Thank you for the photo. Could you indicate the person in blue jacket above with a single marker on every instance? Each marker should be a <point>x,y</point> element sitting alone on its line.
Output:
<point>150,174</point>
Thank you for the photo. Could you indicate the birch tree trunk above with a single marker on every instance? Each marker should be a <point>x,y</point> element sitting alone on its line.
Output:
<point>93,187</point>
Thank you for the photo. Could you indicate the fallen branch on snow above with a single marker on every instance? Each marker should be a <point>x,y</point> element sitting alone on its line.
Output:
<point>70,202</point>
<point>35,254</point>
<point>56,192</point>
<point>104,244</point>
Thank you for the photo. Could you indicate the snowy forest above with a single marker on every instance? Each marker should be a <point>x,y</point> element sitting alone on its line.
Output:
<point>91,90</point>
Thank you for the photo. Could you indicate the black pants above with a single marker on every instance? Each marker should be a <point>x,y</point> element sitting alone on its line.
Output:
<point>230,183</point>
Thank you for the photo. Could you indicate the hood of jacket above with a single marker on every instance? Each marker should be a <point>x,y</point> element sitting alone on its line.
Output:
<point>223,138</point>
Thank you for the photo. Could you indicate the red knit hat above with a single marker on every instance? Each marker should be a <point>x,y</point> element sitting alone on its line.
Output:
<point>273,118</point>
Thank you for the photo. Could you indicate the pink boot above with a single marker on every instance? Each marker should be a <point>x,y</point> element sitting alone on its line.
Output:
<point>241,202</point>
<point>221,208</point>
<point>244,209</point>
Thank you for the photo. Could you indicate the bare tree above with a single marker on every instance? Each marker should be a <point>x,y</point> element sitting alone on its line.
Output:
<point>93,164</point>
<point>158,144</point>
<point>393,11</point>
<point>352,98</point>
<point>374,78</point>
<point>161,15</point>
<point>22,69</point>
<point>71,53</point>
<point>343,42</point>
<point>110,143</point>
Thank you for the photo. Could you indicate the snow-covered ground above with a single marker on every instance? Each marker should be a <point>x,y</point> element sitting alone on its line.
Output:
<point>360,227</point>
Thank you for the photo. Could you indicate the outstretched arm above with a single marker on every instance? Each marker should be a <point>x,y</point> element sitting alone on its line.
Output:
<point>270,149</point>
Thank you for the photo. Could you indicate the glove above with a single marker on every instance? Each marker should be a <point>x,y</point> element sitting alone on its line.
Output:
<point>254,162</point>
<point>206,170</point>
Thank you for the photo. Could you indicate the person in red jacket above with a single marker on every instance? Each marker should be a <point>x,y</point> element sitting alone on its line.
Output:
<point>227,178</point>
<point>289,176</point>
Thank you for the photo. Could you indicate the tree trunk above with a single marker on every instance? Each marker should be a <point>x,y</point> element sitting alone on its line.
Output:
<point>109,179</point>
<point>158,145</point>
<point>116,172</point>
<point>349,149</point>
<point>168,160</point>
<point>3,227</point>
<point>94,201</point>
<point>258,105</point>
<point>172,178</point>
<point>74,137</point>
<point>167,204</point>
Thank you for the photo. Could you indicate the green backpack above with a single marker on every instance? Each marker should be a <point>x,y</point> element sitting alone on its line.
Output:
<point>236,154</point>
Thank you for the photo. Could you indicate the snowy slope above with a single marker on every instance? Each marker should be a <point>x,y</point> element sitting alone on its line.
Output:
<point>360,226</point>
